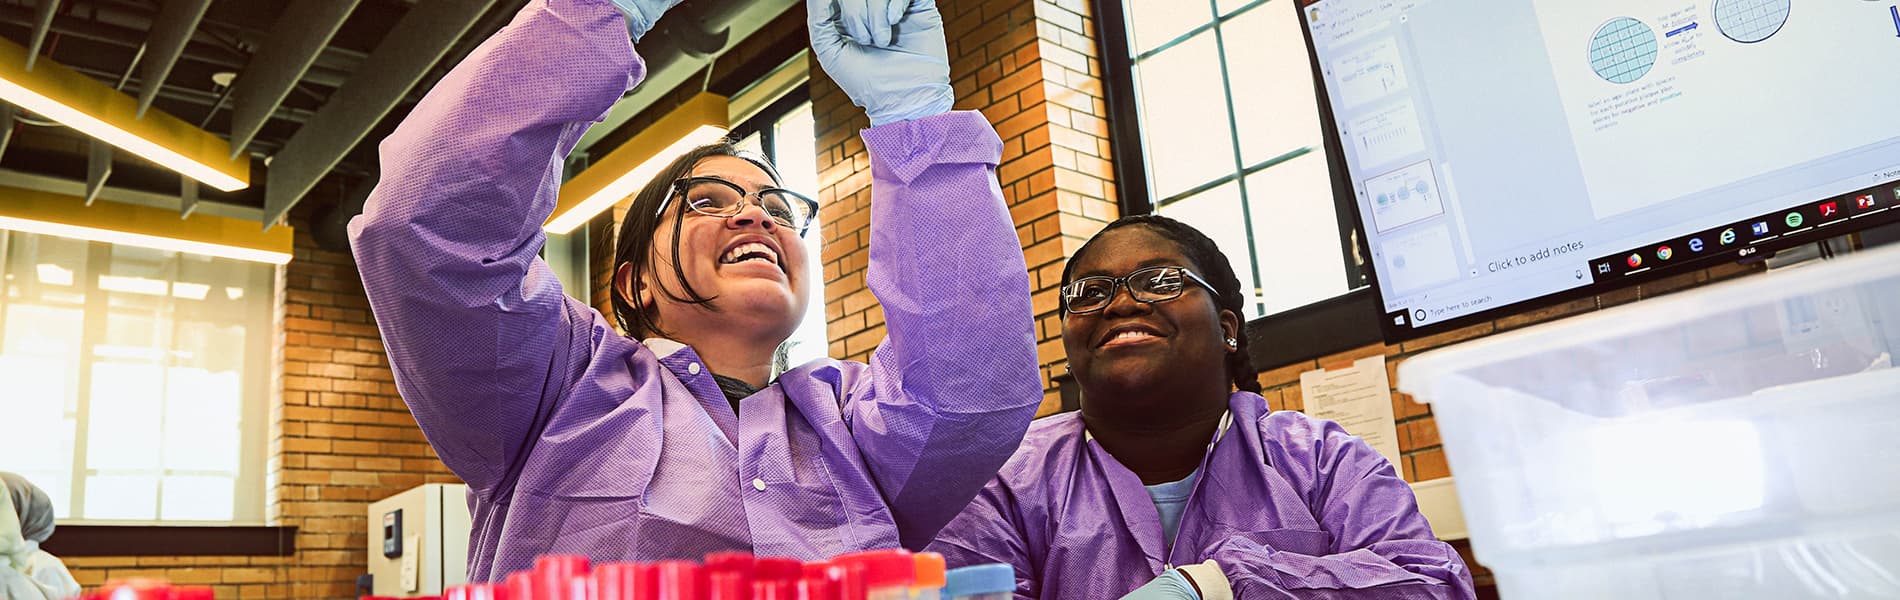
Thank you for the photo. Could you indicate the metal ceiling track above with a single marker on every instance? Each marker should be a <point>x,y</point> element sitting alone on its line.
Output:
<point>299,35</point>
<point>416,44</point>
<point>170,32</point>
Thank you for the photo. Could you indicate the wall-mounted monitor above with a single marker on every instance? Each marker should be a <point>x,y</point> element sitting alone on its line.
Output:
<point>1503,153</point>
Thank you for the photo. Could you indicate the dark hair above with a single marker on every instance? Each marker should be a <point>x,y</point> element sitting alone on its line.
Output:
<point>1211,265</point>
<point>635,243</point>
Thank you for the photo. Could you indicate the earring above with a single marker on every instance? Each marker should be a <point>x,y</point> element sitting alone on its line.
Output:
<point>1233,344</point>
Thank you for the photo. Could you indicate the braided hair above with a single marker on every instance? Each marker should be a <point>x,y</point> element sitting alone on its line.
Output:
<point>1209,263</point>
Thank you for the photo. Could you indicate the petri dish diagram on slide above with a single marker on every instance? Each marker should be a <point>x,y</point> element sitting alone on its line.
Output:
<point>1623,50</point>
<point>1751,21</point>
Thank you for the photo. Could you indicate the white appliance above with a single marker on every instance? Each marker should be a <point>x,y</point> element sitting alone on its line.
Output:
<point>418,540</point>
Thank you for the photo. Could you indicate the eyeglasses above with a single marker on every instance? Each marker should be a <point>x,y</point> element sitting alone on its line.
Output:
<point>1148,286</point>
<point>715,197</point>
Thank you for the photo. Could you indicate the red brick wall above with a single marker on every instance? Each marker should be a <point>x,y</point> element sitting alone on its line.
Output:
<point>340,439</point>
<point>1030,66</point>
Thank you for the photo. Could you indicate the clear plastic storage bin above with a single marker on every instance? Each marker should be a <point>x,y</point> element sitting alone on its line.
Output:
<point>1736,441</point>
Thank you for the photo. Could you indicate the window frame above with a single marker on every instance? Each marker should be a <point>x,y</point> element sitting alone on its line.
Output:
<point>765,120</point>
<point>251,483</point>
<point>1329,326</point>
<point>764,123</point>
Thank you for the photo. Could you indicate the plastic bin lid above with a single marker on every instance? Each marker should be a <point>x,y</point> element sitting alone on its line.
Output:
<point>991,578</point>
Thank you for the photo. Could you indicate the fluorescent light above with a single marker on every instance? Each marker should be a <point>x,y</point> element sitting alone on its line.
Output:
<point>698,121</point>
<point>190,291</point>
<point>118,138</point>
<point>143,241</point>
<point>95,109</point>
<point>132,285</point>
<point>630,182</point>
<point>51,274</point>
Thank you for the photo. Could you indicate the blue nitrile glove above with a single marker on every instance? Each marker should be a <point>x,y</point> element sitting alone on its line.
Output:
<point>1169,586</point>
<point>641,14</point>
<point>888,55</point>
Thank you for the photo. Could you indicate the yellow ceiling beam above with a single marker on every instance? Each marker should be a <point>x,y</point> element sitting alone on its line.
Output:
<point>47,213</point>
<point>97,110</point>
<point>698,121</point>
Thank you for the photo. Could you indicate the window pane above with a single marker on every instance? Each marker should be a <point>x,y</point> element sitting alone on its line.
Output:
<point>1184,117</point>
<point>1227,7</point>
<point>38,431</point>
<point>121,497</point>
<point>751,143</point>
<point>797,162</point>
<point>1296,233</point>
<point>124,418</point>
<point>1217,213</point>
<point>1156,22</point>
<point>797,159</point>
<point>165,372</point>
<point>195,498</point>
<point>1275,109</point>
<point>201,421</point>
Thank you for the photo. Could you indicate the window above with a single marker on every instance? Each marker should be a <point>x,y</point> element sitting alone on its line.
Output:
<point>135,379</point>
<point>785,133</point>
<point>1219,127</point>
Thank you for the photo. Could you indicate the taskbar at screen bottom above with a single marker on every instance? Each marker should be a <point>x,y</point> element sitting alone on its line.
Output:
<point>1747,239</point>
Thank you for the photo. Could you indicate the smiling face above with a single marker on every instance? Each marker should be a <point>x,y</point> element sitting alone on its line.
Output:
<point>752,266</point>
<point>1130,349</point>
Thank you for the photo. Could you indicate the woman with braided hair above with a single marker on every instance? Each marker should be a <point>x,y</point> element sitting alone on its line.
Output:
<point>1175,480</point>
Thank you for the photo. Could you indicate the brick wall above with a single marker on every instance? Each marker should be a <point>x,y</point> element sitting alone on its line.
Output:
<point>340,439</point>
<point>1030,66</point>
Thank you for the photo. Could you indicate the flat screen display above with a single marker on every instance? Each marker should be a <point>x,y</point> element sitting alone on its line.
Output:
<point>1505,152</point>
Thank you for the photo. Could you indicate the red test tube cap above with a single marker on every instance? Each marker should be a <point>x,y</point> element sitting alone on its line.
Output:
<point>193,592</point>
<point>623,581</point>
<point>475,591</point>
<point>774,568</point>
<point>554,576</point>
<point>928,572</point>
<point>136,588</point>
<point>727,585</point>
<point>678,580</point>
<point>521,587</point>
<point>776,589</point>
<point>882,568</point>
<point>814,587</point>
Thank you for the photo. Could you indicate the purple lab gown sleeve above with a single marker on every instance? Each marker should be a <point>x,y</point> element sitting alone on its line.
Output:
<point>479,335</point>
<point>576,439</point>
<point>1381,546</point>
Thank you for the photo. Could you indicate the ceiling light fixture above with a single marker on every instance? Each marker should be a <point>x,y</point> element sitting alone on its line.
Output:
<point>696,122</point>
<point>95,109</point>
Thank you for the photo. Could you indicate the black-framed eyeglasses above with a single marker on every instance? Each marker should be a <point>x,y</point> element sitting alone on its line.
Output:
<point>1148,286</point>
<point>715,197</point>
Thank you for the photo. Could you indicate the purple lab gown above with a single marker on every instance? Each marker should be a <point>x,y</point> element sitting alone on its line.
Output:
<point>575,439</point>
<point>1290,507</point>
